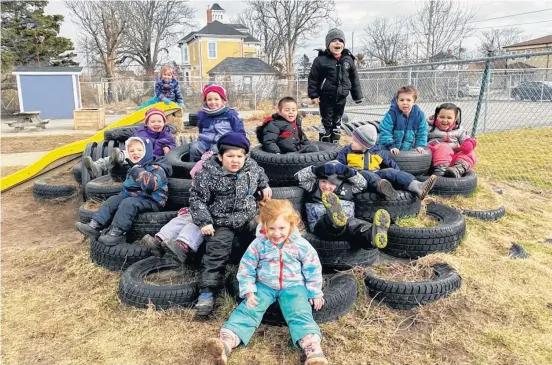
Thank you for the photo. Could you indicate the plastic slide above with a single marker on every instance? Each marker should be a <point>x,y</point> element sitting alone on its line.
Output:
<point>76,148</point>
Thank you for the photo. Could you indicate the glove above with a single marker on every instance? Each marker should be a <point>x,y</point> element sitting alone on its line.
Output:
<point>135,171</point>
<point>166,101</point>
<point>181,105</point>
<point>468,145</point>
<point>344,171</point>
<point>359,101</point>
<point>323,171</point>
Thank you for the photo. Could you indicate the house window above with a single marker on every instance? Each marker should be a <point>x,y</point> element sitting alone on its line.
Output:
<point>185,56</point>
<point>212,47</point>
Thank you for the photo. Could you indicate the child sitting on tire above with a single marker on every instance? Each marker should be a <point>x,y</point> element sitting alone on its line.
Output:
<point>214,119</point>
<point>404,126</point>
<point>451,145</point>
<point>363,155</point>
<point>144,190</point>
<point>330,207</point>
<point>282,132</point>
<point>278,248</point>
<point>155,128</point>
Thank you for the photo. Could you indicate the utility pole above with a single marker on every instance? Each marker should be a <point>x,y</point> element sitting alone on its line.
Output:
<point>429,28</point>
<point>353,43</point>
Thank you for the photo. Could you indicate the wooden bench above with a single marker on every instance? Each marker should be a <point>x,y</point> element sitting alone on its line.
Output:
<point>28,119</point>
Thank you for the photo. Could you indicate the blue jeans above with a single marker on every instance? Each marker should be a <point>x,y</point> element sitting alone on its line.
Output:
<point>124,210</point>
<point>294,302</point>
<point>198,148</point>
<point>399,179</point>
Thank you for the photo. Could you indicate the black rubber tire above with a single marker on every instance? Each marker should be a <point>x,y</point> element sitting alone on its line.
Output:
<point>517,252</point>
<point>486,215</point>
<point>340,292</point>
<point>449,186</point>
<point>367,204</point>
<point>102,188</point>
<point>134,292</point>
<point>100,150</point>
<point>413,162</point>
<point>85,215</point>
<point>407,295</point>
<point>339,255</point>
<point>193,119</point>
<point>292,193</point>
<point>179,158</point>
<point>281,169</point>
<point>48,189</point>
<point>149,223</point>
<point>88,151</point>
<point>179,193</point>
<point>120,133</point>
<point>119,257</point>
<point>407,242</point>
<point>119,172</point>
<point>77,173</point>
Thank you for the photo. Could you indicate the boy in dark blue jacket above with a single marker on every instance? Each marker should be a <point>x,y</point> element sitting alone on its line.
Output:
<point>376,165</point>
<point>144,190</point>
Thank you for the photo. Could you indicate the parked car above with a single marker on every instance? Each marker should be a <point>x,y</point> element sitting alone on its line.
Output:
<point>468,90</point>
<point>537,90</point>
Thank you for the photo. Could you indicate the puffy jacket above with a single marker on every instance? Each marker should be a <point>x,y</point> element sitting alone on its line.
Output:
<point>454,137</point>
<point>222,198</point>
<point>161,139</point>
<point>371,160</point>
<point>396,130</point>
<point>334,78</point>
<point>169,90</point>
<point>311,183</point>
<point>212,127</point>
<point>288,264</point>
<point>277,135</point>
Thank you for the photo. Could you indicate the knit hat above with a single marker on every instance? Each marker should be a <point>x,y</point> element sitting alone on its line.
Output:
<point>334,34</point>
<point>334,179</point>
<point>155,111</point>
<point>214,88</point>
<point>365,134</point>
<point>235,139</point>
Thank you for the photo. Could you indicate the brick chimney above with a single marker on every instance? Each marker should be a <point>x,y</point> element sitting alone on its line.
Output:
<point>209,14</point>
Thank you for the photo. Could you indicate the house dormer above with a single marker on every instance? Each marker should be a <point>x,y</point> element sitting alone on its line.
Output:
<point>215,12</point>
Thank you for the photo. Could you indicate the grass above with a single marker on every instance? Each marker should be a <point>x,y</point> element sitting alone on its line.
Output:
<point>41,143</point>
<point>8,170</point>
<point>483,198</point>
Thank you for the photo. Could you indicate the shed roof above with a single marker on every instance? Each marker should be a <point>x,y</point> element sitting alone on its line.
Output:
<point>47,69</point>
<point>533,42</point>
<point>243,66</point>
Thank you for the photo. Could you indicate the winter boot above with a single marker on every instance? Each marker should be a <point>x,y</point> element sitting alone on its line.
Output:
<point>439,170</point>
<point>205,303</point>
<point>335,136</point>
<point>325,137</point>
<point>155,245</point>
<point>333,207</point>
<point>421,189</point>
<point>385,188</point>
<point>380,225</point>
<point>312,349</point>
<point>178,248</point>
<point>221,347</point>
<point>117,157</point>
<point>113,237</point>
<point>458,170</point>
<point>90,230</point>
<point>95,169</point>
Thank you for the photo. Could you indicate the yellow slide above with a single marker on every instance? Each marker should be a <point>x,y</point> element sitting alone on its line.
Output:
<point>74,150</point>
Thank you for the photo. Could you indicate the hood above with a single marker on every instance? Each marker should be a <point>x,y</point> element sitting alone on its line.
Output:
<point>148,147</point>
<point>214,166</point>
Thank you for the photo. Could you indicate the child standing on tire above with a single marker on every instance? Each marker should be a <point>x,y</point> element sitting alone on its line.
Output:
<point>332,76</point>
<point>330,207</point>
<point>214,119</point>
<point>155,128</point>
<point>451,145</point>
<point>404,126</point>
<point>222,203</point>
<point>375,165</point>
<point>167,89</point>
<point>282,266</point>
<point>144,190</point>
<point>282,132</point>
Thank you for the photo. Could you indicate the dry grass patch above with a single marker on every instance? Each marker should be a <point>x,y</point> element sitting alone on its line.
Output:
<point>38,143</point>
<point>421,220</point>
<point>8,170</point>
<point>483,198</point>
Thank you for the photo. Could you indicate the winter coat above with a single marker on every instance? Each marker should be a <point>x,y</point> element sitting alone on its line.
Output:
<point>454,137</point>
<point>371,160</point>
<point>277,135</point>
<point>282,266</point>
<point>159,139</point>
<point>334,78</point>
<point>222,198</point>
<point>169,90</point>
<point>396,130</point>
<point>212,127</point>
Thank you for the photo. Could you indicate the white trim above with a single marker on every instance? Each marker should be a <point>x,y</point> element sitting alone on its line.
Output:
<point>209,51</point>
<point>19,93</point>
<point>75,99</point>
<point>45,73</point>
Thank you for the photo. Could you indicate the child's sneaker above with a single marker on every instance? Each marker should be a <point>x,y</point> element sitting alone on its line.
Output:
<point>458,170</point>
<point>333,206</point>
<point>94,168</point>
<point>421,189</point>
<point>386,189</point>
<point>90,230</point>
<point>219,350</point>
<point>178,248</point>
<point>380,225</point>
<point>325,137</point>
<point>312,349</point>
<point>335,136</point>
<point>439,170</point>
<point>155,245</point>
<point>205,303</point>
<point>113,237</point>
<point>116,157</point>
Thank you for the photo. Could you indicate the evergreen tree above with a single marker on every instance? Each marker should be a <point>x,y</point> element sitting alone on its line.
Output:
<point>305,67</point>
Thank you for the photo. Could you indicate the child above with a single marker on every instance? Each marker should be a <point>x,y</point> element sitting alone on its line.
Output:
<point>328,215</point>
<point>282,132</point>
<point>452,148</point>
<point>144,190</point>
<point>155,128</point>
<point>215,119</point>
<point>404,126</point>
<point>167,89</point>
<point>282,266</point>
<point>222,203</point>
<point>363,155</point>
<point>333,74</point>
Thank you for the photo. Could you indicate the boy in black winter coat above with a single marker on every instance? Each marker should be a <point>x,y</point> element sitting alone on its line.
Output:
<point>333,74</point>
<point>282,132</point>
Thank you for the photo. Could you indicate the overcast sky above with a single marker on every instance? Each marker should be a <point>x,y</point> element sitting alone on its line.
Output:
<point>355,15</point>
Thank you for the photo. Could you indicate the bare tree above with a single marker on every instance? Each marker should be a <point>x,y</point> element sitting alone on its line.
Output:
<point>153,27</point>
<point>294,21</point>
<point>386,40</point>
<point>440,24</point>
<point>493,40</point>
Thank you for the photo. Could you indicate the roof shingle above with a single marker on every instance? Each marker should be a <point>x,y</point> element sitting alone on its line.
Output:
<point>243,66</point>
<point>533,42</point>
<point>215,28</point>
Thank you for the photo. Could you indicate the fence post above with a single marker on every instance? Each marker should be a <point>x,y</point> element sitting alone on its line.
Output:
<point>481,94</point>
<point>254,85</point>
<point>297,90</point>
<point>487,100</point>
<point>409,76</point>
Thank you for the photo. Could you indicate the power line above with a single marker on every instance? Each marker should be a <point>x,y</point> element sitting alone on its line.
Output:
<point>511,25</point>
<point>509,16</point>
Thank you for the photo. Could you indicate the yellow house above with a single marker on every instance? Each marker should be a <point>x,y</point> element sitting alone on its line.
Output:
<point>531,46</point>
<point>204,49</point>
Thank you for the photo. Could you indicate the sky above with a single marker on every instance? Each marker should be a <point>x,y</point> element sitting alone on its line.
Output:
<point>355,15</point>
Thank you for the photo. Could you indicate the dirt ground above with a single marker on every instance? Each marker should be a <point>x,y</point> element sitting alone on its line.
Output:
<point>42,143</point>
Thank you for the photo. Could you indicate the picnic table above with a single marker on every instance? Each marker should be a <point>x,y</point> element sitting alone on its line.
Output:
<point>28,119</point>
